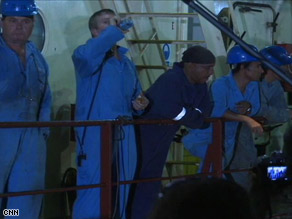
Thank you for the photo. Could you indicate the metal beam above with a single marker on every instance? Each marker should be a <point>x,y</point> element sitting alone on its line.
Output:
<point>167,41</point>
<point>204,12</point>
<point>141,14</point>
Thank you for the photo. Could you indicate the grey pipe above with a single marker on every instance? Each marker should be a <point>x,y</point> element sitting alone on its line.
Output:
<point>283,75</point>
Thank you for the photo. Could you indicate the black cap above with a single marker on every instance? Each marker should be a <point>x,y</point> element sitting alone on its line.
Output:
<point>199,55</point>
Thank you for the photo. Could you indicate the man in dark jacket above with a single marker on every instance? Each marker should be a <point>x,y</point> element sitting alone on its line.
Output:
<point>180,94</point>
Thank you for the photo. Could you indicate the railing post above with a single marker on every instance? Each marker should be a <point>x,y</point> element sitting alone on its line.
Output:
<point>106,170</point>
<point>214,154</point>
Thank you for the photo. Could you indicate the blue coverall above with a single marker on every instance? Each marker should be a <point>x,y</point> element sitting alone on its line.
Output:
<point>24,96</point>
<point>170,95</point>
<point>275,109</point>
<point>226,95</point>
<point>103,93</point>
<point>274,106</point>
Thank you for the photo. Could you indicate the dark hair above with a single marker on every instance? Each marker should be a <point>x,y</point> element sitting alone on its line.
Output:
<point>199,55</point>
<point>204,199</point>
<point>91,22</point>
<point>237,66</point>
<point>4,16</point>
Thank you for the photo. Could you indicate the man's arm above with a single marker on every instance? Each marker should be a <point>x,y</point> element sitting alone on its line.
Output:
<point>195,116</point>
<point>45,104</point>
<point>88,57</point>
<point>166,101</point>
<point>253,125</point>
<point>220,95</point>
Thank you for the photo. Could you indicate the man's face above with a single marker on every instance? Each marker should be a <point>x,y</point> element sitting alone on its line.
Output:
<point>17,29</point>
<point>198,73</point>
<point>102,22</point>
<point>275,77</point>
<point>254,71</point>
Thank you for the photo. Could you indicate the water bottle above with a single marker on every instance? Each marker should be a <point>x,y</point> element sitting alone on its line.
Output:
<point>126,24</point>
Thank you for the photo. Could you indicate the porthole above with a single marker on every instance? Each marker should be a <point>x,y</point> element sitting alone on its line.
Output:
<point>38,35</point>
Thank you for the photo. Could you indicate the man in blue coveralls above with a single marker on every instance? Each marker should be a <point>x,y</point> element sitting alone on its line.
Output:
<point>180,94</point>
<point>274,106</point>
<point>24,96</point>
<point>236,97</point>
<point>107,88</point>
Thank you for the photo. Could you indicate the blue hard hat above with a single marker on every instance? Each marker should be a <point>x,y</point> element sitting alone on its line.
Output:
<point>277,55</point>
<point>18,8</point>
<point>238,55</point>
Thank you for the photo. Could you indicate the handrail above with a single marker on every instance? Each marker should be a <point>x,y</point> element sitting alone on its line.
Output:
<point>213,159</point>
<point>77,123</point>
<point>210,17</point>
<point>106,154</point>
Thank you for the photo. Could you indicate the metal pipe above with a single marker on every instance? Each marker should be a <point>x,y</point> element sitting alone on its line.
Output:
<point>167,41</point>
<point>106,169</point>
<point>145,14</point>
<point>213,161</point>
<point>283,75</point>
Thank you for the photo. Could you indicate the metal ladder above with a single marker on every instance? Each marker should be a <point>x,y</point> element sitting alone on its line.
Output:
<point>142,45</point>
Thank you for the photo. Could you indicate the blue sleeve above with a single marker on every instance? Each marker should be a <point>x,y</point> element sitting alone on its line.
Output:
<point>164,96</point>
<point>46,98</point>
<point>87,58</point>
<point>169,103</point>
<point>137,89</point>
<point>219,91</point>
<point>45,108</point>
<point>46,104</point>
<point>194,118</point>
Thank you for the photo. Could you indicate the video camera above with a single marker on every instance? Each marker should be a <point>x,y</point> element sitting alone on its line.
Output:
<point>277,168</point>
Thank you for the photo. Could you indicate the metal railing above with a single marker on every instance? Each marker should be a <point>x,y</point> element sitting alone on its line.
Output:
<point>213,159</point>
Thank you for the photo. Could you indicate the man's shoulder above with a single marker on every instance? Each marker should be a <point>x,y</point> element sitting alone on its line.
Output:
<point>222,81</point>
<point>82,45</point>
<point>172,75</point>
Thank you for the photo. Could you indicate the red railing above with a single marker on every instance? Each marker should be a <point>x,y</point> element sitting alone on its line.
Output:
<point>213,159</point>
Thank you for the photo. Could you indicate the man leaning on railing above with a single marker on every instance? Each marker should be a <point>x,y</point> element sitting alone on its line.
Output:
<point>180,94</point>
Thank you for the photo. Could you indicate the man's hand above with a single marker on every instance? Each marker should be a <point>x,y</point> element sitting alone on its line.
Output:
<point>116,21</point>
<point>140,103</point>
<point>254,126</point>
<point>243,107</point>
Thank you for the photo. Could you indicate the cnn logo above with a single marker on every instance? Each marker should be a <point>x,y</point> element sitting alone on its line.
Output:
<point>11,212</point>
